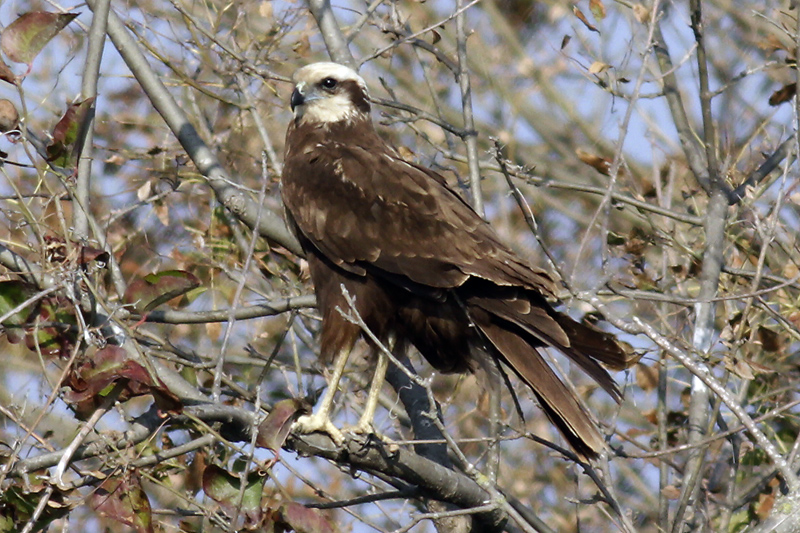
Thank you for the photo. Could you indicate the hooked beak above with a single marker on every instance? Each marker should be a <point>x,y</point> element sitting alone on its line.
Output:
<point>298,98</point>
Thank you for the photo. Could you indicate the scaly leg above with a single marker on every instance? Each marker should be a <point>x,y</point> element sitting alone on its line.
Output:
<point>321,420</point>
<point>364,425</point>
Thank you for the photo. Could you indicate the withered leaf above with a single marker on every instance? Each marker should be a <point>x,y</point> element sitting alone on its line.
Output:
<point>578,13</point>
<point>599,163</point>
<point>784,94</point>
<point>646,377</point>
<point>598,9</point>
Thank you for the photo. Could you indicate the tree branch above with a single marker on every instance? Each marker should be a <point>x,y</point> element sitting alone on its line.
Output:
<point>270,225</point>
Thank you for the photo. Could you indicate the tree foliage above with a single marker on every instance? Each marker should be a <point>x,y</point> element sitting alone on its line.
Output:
<point>158,328</point>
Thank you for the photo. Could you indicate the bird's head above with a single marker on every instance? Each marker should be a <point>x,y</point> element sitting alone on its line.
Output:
<point>329,92</point>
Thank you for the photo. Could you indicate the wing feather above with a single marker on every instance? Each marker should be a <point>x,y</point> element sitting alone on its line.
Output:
<point>380,212</point>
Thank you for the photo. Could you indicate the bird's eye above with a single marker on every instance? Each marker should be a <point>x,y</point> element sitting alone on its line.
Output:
<point>329,83</point>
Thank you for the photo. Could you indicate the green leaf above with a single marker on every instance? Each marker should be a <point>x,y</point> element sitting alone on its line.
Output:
<point>123,499</point>
<point>223,487</point>
<point>12,294</point>
<point>68,134</point>
<point>23,39</point>
<point>59,337</point>
<point>155,289</point>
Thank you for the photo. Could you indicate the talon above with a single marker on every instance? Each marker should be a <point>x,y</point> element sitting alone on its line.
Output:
<point>308,424</point>
<point>368,430</point>
<point>362,428</point>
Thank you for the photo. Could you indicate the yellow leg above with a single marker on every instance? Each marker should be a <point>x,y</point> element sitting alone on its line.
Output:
<point>364,425</point>
<point>321,420</point>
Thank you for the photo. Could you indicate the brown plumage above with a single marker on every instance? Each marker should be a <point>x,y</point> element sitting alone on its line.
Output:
<point>423,268</point>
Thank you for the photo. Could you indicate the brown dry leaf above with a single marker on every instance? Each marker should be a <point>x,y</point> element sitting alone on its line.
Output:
<point>6,74</point>
<point>671,492</point>
<point>115,159</point>
<point>646,377</point>
<point>565,41</point>
<point>213,330</point>
<point>769,340</point>
<point>162,212</point>
<point>784,94</point>
<point>578,13</point>
<point>771,43</point>
<point>790,271</point>
<point>601,164</point>
<point>598,67</point>
<point>686,396</point>
<point>744,368</point>
<point>641,13</point>
<point>405,153</point>
<point>764,505</point>
<point>302,46</point>
<point>23,39</point>
<point>9,117</point>
<point>636,242</point>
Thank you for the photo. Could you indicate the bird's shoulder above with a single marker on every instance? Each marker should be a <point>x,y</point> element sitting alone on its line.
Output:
<point>359,202</point>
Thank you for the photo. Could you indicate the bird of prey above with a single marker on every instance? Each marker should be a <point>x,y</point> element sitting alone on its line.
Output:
<point>421,266</point>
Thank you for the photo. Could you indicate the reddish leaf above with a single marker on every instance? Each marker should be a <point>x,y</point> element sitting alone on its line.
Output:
<point>6,74</point>
<point>23,39</point>
<point>68,134</point>
<point>224,488</point>
<point>155,289</point>
<point>301,519</point>
<point>51,327</point>
<point>91,380</point>
<point>274,429</point>
<point>123,499</point>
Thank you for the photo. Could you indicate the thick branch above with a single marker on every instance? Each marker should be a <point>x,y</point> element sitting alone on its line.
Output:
<point>334,39</point>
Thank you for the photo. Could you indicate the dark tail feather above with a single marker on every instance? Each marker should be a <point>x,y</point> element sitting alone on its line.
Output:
<point>557,401</point>
<point>583,344</point>
<point>595,343</point>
